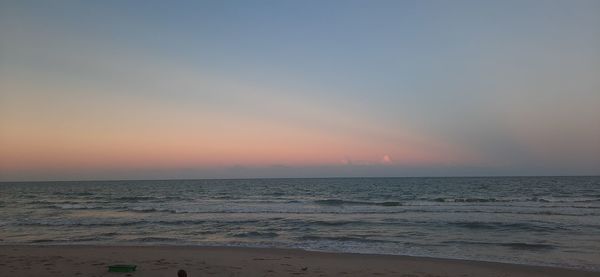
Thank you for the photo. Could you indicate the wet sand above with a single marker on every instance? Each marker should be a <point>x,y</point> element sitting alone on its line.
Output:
<point>152,261</point>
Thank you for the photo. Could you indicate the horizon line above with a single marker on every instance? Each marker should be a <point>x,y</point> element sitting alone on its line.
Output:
<point>330,177</point>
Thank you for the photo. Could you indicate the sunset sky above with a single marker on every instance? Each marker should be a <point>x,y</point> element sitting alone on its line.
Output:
<point>232,89</point>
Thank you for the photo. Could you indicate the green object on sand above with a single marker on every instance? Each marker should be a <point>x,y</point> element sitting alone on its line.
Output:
<point>121,268</point>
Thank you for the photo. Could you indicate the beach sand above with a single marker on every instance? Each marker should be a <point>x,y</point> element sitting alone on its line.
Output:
<point>152,261</point>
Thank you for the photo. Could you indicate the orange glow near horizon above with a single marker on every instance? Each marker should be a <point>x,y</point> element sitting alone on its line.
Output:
<point>254,145</point>
<point>185,139</point>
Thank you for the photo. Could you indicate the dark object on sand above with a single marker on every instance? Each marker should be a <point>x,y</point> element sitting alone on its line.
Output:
<point>181,273</point>
<point>122,268</point>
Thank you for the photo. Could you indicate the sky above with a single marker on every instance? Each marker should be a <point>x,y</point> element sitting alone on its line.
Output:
<point>243,89</point>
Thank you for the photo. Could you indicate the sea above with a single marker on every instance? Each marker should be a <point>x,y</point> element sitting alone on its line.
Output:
<point>550,221</point>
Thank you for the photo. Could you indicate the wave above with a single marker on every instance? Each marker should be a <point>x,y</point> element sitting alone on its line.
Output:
<point>131,223</point>
<point>78,206</point>
<point>226,197</point>
<point>503,226</point>
<point>507,200</point>
<point>255,234</point>
<point>587,200</point>
<point>108,234</point>
<point>179,222</point>
<point>95,206</point>
<point>42,240</point>
<point>528,246</point>
<point>155,239</point>
<point>570,200</point>
<point>205,232</point>
<point>467,200</point>
<point>84,193</point>
<point>154,210</point>
<point>83,224</point>
<point>332,223</point>
<point>61,241</point>
<point>341,238</point>
<point>135,198</point>
<point>407,209</point>
<point>339,202</point>
<point>512,245</point>
<point>47,202</point>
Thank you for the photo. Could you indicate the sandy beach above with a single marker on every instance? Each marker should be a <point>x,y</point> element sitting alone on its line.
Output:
<point>231,261</point>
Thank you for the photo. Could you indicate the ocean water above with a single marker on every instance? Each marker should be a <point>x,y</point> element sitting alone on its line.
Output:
<point>551,221</point>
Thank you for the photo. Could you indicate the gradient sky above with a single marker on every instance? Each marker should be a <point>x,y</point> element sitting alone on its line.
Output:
<point>230,89</point>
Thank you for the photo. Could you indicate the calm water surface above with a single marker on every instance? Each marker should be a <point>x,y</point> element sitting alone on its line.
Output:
<point>531,220</point>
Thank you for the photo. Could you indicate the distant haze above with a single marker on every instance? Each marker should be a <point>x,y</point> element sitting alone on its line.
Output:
<point>233,89</point>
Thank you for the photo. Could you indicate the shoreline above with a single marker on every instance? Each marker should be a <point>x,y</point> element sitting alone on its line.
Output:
<point>92,260</point>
